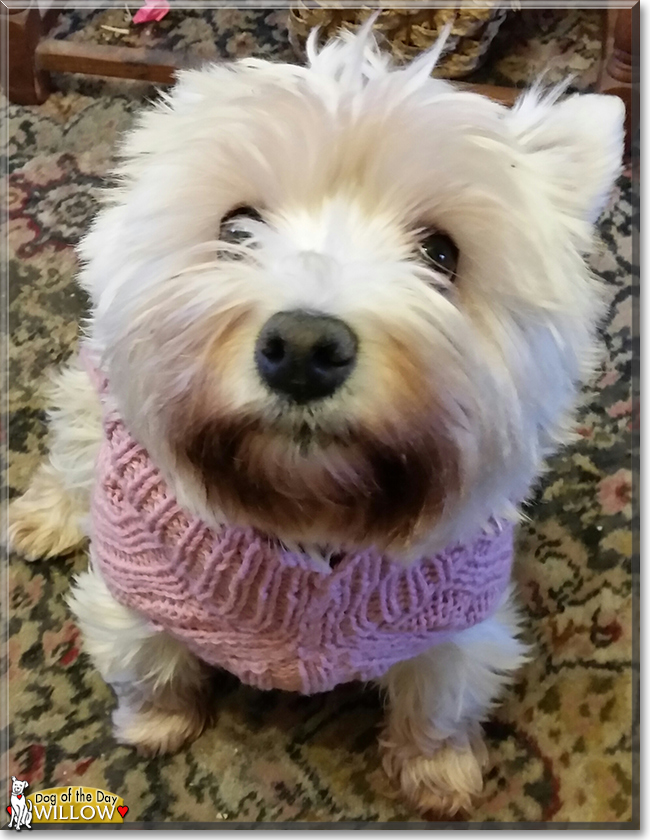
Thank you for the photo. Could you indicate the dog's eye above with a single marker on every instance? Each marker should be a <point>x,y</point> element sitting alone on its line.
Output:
<point>440,251</point>
<point>242,212</point>
<point>232,229</point>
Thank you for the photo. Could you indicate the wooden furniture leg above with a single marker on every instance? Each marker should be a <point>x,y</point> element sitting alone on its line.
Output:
<point>616,76</point>
<point>27,84</point>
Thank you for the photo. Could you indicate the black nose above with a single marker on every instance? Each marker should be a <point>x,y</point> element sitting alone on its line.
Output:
<point>305,356</point>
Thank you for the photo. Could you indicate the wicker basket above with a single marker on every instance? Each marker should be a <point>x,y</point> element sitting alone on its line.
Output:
<point>406,32</point>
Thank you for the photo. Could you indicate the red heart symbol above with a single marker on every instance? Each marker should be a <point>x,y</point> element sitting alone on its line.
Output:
<point>19,795</point>
<point>122,810</point>
<point>9,809</point>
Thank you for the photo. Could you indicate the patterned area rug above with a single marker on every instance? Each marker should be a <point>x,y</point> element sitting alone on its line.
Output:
<point>561,743</point>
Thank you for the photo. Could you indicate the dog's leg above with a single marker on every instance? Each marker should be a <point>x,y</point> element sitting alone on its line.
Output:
<point>162,688</point>
<point>49,518</point>
<point>433,744</point>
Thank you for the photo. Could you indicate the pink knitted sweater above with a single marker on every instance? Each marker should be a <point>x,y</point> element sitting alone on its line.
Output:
<point>238,600</point>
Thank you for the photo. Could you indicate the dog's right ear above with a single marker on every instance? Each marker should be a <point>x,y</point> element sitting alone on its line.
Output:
<point>575,145</point>
<point>13,778</point>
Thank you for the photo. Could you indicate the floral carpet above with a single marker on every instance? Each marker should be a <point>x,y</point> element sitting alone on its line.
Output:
<point>561,744</point>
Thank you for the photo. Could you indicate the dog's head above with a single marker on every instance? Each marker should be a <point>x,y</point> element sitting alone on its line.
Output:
<point>347,303</point>
<point>17,787</point>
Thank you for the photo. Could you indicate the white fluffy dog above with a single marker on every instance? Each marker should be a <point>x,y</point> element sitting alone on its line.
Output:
<point>344,305</point>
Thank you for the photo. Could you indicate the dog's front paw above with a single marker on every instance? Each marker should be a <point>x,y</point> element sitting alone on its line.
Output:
<point>443,782</point>
<point>153,730</point>
<point>44,522</point>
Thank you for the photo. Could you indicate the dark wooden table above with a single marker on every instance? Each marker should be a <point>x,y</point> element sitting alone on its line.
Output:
<point>33,55</point>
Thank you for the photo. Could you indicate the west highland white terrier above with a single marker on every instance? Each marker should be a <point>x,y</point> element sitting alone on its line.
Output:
<point>339,317</point>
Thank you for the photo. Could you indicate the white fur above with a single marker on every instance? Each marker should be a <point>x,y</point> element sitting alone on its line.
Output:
<point>348,158</point>
<point>160,685</point>
<point>51,517</point>
<point>345,166</point>
<point>432,742</point>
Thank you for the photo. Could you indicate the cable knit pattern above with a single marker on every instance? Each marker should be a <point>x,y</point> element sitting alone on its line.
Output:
<point>239,600</point>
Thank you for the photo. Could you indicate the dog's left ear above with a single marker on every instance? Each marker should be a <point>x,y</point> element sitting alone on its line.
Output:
<point>577,147</point>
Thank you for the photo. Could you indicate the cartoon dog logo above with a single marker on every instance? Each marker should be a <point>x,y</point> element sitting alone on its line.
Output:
<point>21,809</point>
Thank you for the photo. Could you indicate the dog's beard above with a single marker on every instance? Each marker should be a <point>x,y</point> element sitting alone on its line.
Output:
<point>304,482</point>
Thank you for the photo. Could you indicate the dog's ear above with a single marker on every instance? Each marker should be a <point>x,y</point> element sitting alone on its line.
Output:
<point>576,146</point>
<point>13,778</point>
